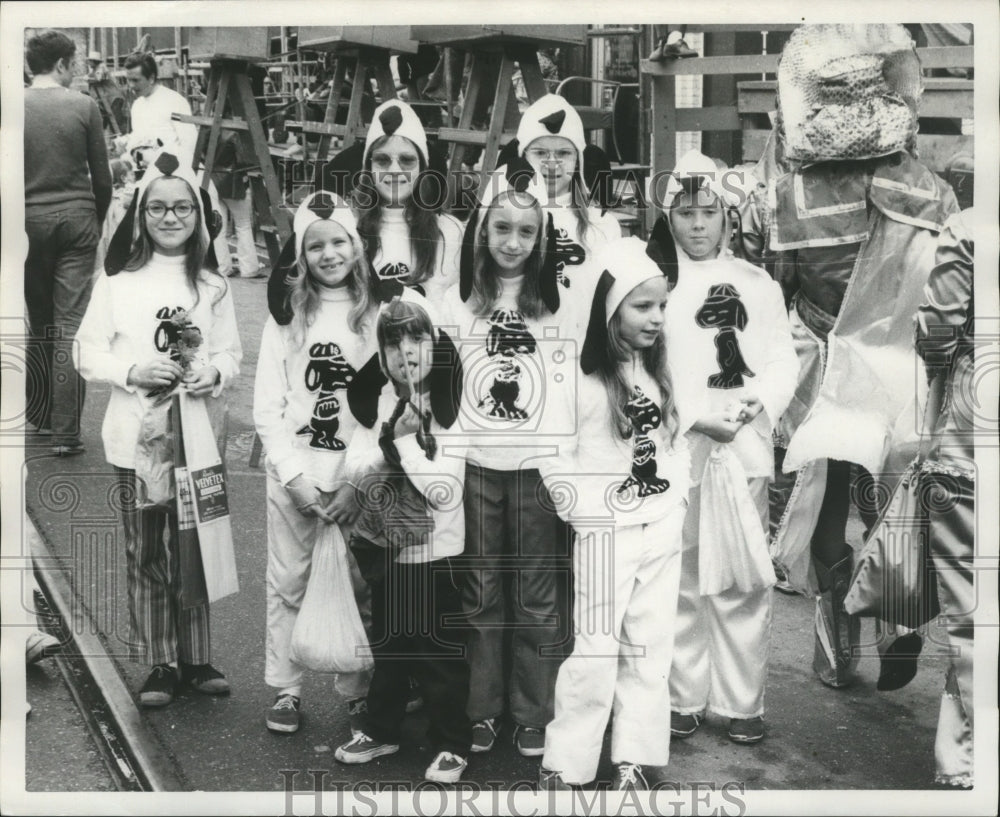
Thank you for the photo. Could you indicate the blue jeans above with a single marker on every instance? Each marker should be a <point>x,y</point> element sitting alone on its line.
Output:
<point>58,279</point>
<point>516,589</point>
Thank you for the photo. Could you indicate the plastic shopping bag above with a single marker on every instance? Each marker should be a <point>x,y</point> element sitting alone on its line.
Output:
<point>328,635</point>
<point>154,455</point>
<point>732,546</point>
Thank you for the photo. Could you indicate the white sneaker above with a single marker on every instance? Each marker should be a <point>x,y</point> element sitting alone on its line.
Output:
<point>40,645</point>
<point>446,768</point>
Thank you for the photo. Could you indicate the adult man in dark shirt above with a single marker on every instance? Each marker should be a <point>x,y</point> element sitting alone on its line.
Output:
<point>67,189</point>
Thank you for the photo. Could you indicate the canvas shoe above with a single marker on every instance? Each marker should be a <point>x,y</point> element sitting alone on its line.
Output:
<point>549,780</point>
<point>40,645</point>
<point>630,778</point>
<point>285,715</point>
<point>205,678</point>
<point>746,730</point>
<point>363,749</point>
<point>683,726</point>
<point>160,686</point>
<point>484,734</point>
<point>530,741</point>
<point>447,767</point>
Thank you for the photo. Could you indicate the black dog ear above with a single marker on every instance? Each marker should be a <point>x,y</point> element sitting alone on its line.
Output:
<point>363,392</point>
<point>548,277</point>
<point>662,249</point>
<point>213,221</point>
<point>120,246</point>
<point>597,177</point>
<point>446,378</point>
<point>467,259</point>
<point>279,286</point>
<point>595,346</point>
<point>341,172</point>
<point>508,153</point>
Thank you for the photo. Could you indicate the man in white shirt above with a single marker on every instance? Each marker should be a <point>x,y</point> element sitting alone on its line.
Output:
<point>151,113</point>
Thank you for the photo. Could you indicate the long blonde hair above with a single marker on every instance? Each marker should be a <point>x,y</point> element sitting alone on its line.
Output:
<point>305,295</point>
<point>619,391</point>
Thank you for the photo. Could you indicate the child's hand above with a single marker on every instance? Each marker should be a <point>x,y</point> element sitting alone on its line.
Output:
<point>343,508</point>
<point>201,382</point>
<point>408,423</point>
<point>160,371</point>
<point>307,498</point>
<point>718,427</point>
<point>752,406</point>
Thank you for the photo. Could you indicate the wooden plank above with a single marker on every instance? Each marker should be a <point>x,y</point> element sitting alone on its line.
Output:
<point>471,137</point>
<point>531,73</point>
<point>948,103</point>
<point>360,83</point>
<point>716,118</point>
<point>663,133</point>
<point>504,91</point>
<point>742,64</point>
<point>754,142</point>
<point>332,104</point>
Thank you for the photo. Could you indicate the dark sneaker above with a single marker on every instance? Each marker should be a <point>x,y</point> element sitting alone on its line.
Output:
<point>630,778</point>
<point>416,701</point>
<point>683,726</point>
<point>357,711</point>
<point>530,741</point>
<point>484,734</point>
<point>205,678</point>
<point>549,780</point>
<point>160,686</point>
<point>363,749</point>
<point>446,768</point>
<point>285,715</point>
<point>746,730</point>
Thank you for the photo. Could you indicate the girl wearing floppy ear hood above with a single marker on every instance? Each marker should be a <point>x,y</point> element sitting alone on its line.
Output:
<point>319,337</point>
<point>621,481</point>
<point>734,368</point>
<point>550,142</point>
<point>160,288</point>
<point>409,466</point>
<point>397,203</point>
<point>516,337</point>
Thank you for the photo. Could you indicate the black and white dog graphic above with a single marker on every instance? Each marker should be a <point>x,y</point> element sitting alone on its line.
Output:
<point>644,416</point>
<point>508,337</point>
<point>723,310</point>
<point>328,371</point>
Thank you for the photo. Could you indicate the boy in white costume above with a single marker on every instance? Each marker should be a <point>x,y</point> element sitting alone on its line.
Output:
<point>734,370</point>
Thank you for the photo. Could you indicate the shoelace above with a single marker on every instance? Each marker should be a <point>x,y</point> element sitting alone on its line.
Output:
<point>285,702</point>
<point>357,707</point>
<point>629,773</point>
<point>448,756</point>
<point>162,669</point>
<point>489,725</point>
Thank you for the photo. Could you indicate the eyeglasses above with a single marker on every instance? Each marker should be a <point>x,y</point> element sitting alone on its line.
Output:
<point>157,209</point>
<point>563,156</point>
<point>406,161</point>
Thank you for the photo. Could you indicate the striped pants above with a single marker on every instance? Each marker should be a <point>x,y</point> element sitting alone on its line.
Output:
<point>160,629</point>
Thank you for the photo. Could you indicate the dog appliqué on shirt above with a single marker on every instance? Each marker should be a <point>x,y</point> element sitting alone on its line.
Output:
<point>508,338</point>
<point>568,254</point>
<point>328,372</point>
<point>723,310</point>
<point>643,416</point>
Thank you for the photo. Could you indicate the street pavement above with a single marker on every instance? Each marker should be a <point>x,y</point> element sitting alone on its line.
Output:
<point>817,738</point>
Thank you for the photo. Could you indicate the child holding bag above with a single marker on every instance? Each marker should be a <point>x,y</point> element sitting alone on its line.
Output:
<point>733,364</point>
<point>160,291</point>
<point>515,338</point>
<point>623,477</point>
<point>319,335</point>
<point>409,472</point>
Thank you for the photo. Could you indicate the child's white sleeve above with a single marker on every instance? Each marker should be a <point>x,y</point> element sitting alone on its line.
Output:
<point>564,431</point>
<point>451,251</point>
<point>270,398</point>
<point>781,374</point>
<point>97,363</point>
<point>363,455</point>
<point>225,351</point>
<point>433,478</point>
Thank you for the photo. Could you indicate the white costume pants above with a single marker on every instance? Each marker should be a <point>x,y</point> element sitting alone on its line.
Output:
<point>291,538</point>
<point>626,592</point>
<point>241,213</point>
<point>722,641</point>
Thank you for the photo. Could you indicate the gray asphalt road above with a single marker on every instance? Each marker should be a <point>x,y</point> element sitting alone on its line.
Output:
<point>817,738</point>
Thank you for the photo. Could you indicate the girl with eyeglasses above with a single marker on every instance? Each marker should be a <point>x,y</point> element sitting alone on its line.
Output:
<point>550,143</point>
<point>160,267</point>
<point>408,242</point>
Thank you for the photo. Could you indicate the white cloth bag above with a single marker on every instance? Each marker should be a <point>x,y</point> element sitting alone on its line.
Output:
<point>732,546</point>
